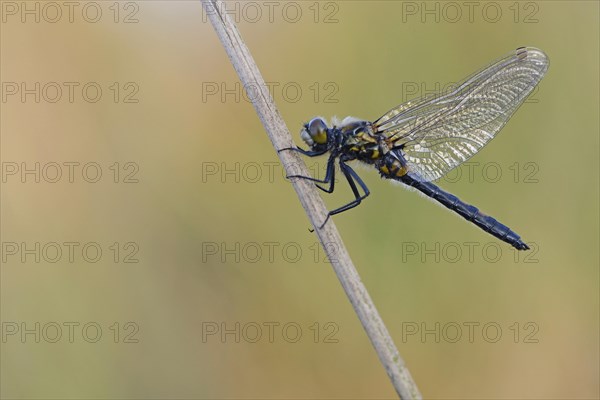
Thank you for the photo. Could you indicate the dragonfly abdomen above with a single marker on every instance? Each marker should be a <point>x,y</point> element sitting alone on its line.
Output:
<point>467,211</point>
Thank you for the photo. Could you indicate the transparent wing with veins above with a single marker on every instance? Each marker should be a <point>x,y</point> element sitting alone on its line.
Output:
<point>437,135</point>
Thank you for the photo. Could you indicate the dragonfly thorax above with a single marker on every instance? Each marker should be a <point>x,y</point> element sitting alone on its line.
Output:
<point>359,142</point>
<point>350,138</point>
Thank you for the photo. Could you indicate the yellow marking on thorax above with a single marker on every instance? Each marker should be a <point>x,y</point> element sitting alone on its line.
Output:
<point>364,136</point>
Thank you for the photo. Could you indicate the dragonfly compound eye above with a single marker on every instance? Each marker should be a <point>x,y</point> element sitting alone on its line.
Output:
<point>317,130</point>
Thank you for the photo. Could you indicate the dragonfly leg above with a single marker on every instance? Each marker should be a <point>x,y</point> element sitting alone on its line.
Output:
<point>352,178</point>
<point>308,153</point>
<point>329,176</point>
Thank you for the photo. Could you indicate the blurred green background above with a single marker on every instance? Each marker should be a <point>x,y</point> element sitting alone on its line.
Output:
<point>230,296</point>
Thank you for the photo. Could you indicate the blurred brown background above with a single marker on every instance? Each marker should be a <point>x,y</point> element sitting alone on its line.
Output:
<point>209,284</point>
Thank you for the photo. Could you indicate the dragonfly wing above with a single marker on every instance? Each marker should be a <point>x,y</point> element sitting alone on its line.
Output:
<point>438,134</point>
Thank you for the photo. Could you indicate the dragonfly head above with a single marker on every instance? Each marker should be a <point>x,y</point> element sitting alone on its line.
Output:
<point>314,133</point>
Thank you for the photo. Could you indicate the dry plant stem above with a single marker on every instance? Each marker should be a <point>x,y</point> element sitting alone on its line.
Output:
<point>311,201</point>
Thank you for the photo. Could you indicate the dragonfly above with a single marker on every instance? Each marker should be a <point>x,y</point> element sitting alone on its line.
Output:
<point>420,141</point>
